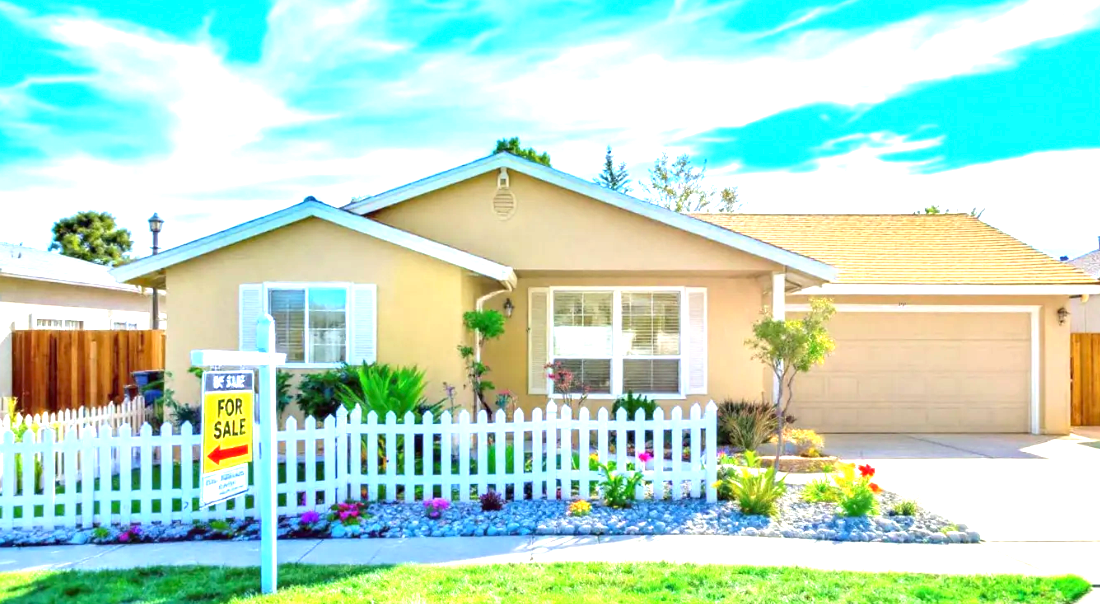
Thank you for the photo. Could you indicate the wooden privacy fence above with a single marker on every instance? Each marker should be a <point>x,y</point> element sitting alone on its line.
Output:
<point>54,369</point>
<point>1085,368</point>
<point>544,457</point>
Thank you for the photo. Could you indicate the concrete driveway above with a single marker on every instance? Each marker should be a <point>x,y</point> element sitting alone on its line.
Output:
<point>1008,487</point>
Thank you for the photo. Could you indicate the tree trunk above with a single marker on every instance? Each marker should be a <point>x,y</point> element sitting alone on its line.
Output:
<point>780,417</point>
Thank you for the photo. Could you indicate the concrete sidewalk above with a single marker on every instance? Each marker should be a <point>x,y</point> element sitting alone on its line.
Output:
<point>1080,558</point>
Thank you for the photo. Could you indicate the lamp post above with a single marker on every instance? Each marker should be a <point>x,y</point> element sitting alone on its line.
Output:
<point>155,224</point>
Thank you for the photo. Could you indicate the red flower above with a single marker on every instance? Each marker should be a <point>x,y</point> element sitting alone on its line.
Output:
<point>866,471</point>
<point>875,488</point>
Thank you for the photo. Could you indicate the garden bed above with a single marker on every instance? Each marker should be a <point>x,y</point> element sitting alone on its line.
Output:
<point>796,520</point>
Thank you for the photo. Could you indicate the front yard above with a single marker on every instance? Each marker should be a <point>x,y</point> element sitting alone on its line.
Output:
<point>592,583</point>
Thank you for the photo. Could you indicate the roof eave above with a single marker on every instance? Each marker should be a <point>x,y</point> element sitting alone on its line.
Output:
<point>932,289</point>
<point>123,287</point>
<point>704,229</point>
<point>139,269</point>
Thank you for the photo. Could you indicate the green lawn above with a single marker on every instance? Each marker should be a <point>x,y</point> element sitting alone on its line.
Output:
<point>594,583</point>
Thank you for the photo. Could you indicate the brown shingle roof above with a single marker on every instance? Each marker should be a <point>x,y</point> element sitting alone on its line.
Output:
<point>906,248</point>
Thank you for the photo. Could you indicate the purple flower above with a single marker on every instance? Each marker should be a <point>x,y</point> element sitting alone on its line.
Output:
<point>309,517</point>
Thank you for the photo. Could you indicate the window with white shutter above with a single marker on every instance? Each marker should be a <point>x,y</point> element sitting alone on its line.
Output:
<point>696,346</point>
<point>316,324</point>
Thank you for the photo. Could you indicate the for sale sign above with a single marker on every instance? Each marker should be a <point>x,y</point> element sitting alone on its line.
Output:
<point>227,416</point>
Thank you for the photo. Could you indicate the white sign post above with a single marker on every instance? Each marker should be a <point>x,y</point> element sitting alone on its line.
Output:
<point>267,360</point>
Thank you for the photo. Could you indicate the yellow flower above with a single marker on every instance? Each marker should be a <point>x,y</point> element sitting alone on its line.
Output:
<point>580,508</point>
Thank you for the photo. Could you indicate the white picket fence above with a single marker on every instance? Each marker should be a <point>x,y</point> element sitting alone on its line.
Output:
<point>129,411</point>
<point>110,477</point>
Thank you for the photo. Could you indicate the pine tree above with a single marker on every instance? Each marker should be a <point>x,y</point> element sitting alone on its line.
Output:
<point>612,177</point>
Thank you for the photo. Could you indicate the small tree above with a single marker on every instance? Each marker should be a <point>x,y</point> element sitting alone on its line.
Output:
<point>92,236</point>
<point>486,325</point>
<point>789,347</point>
<point>613,177</point>
<point>678,185</point>
<point>513,146</point>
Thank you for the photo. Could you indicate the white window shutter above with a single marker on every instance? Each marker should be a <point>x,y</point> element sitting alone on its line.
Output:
<point>251,305</point>
<point>696,340</point>
<point>363,318</point>
<point>538,338</point>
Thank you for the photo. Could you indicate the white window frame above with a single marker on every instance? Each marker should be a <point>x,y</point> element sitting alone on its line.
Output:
<point>292,285</point>
<point>618,354</point>
<point>62,320</point>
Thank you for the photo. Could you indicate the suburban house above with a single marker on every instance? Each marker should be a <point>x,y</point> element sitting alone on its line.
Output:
<point>944,323</point>
<point>1085,311</point>
<point>42,290</point>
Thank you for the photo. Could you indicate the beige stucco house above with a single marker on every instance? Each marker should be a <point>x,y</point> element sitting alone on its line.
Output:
<point>933,335</point>
<point>41,290</point>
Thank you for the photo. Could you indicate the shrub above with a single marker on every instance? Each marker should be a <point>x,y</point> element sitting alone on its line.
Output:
<point>347,513</point>
<point>632,403</point>
<point>100,533</point>
<point>580,508</point>
<point>383,389</point>
<point>491,502</point>
<point>820,491</point>
<point>907,507</point>
<point>618,487</point>
<point>756,491</point>
<point>807,443</point>
<point>856,494</point>
<point>435,507</point>
<point>222,529</point>
<point>745,425</point>
<point>319,393</point>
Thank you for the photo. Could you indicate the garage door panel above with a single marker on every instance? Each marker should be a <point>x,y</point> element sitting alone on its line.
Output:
<point>921,372</point>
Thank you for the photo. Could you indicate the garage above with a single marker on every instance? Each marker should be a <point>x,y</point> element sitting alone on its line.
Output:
<point>920,371</point>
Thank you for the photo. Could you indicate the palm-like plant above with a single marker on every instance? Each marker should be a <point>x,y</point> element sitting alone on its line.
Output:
<point>383,389</point>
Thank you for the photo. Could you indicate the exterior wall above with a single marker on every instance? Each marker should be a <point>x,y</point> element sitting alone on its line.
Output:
<point>556,229</point>
<point>20,299</point>
<point>732,306</point>
<point>420,299</point>
<point>1054,349</point>
<point>1084,316</point>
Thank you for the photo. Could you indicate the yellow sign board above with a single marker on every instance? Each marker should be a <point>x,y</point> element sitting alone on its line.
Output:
<point>227,416</point>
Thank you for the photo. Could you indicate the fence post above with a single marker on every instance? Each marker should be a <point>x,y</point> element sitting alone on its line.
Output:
<point>712,451</point>
<point>464,455</point>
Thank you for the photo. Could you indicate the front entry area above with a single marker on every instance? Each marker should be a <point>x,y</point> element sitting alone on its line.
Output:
<point>911,370</point>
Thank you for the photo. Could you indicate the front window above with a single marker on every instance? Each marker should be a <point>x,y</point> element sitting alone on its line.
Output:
<point>620,340</point>
<point>66,324</point>
<point>311,323</point>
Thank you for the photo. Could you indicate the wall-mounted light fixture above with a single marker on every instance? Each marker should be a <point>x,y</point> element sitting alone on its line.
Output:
<point>1063,314</point>
<point>509,308</point>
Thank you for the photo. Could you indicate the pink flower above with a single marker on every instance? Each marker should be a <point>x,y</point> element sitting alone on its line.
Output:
<point>645,456</point>
<point>506,392</point>
<point>345,515</point>
<point>124,537</point>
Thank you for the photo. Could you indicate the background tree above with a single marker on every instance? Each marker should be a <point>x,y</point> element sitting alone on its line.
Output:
<point>612,177</point>
<point>789,347</point>
<point>513,146</point>
<point>935,209</point>
<point>678,185</point>
<point>92,236</point>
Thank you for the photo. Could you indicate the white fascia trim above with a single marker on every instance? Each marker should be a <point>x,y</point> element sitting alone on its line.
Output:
<point>625,202</point>
<point>947,290</point>
<point>1032,311</point>
<point>122,287</point>
<point>315,209</point>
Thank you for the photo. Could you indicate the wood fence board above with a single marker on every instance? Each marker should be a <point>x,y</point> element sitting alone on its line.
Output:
<point>63,369</point>
<point>1085,368</point>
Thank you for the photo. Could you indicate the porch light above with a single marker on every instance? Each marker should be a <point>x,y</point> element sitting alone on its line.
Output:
<point>1063,314</point>
<point>509,308</point>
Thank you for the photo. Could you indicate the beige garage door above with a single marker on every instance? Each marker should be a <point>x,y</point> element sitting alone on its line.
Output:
<point>920,372</point>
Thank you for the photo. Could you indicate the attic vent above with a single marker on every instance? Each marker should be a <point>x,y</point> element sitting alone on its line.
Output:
<point>504,202</point>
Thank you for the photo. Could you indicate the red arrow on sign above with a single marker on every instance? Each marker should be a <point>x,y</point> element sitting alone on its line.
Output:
<point>219,454</point>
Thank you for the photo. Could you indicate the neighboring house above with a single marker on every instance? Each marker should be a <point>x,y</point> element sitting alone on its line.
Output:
<point>1085,310</point>
<point>42,290</point>
<point>945,324</point>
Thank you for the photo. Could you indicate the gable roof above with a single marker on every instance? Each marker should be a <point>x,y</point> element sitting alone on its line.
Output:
<point>312,208</point>
<point>740,241</point>
<point>908,249</point>
<point>1090,263</point>
<point>28,263</point>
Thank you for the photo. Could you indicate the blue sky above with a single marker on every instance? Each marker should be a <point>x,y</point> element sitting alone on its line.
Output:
<point>212,112</point>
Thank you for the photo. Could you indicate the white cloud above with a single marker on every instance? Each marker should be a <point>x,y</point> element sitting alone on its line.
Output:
<point>1050,200</point>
